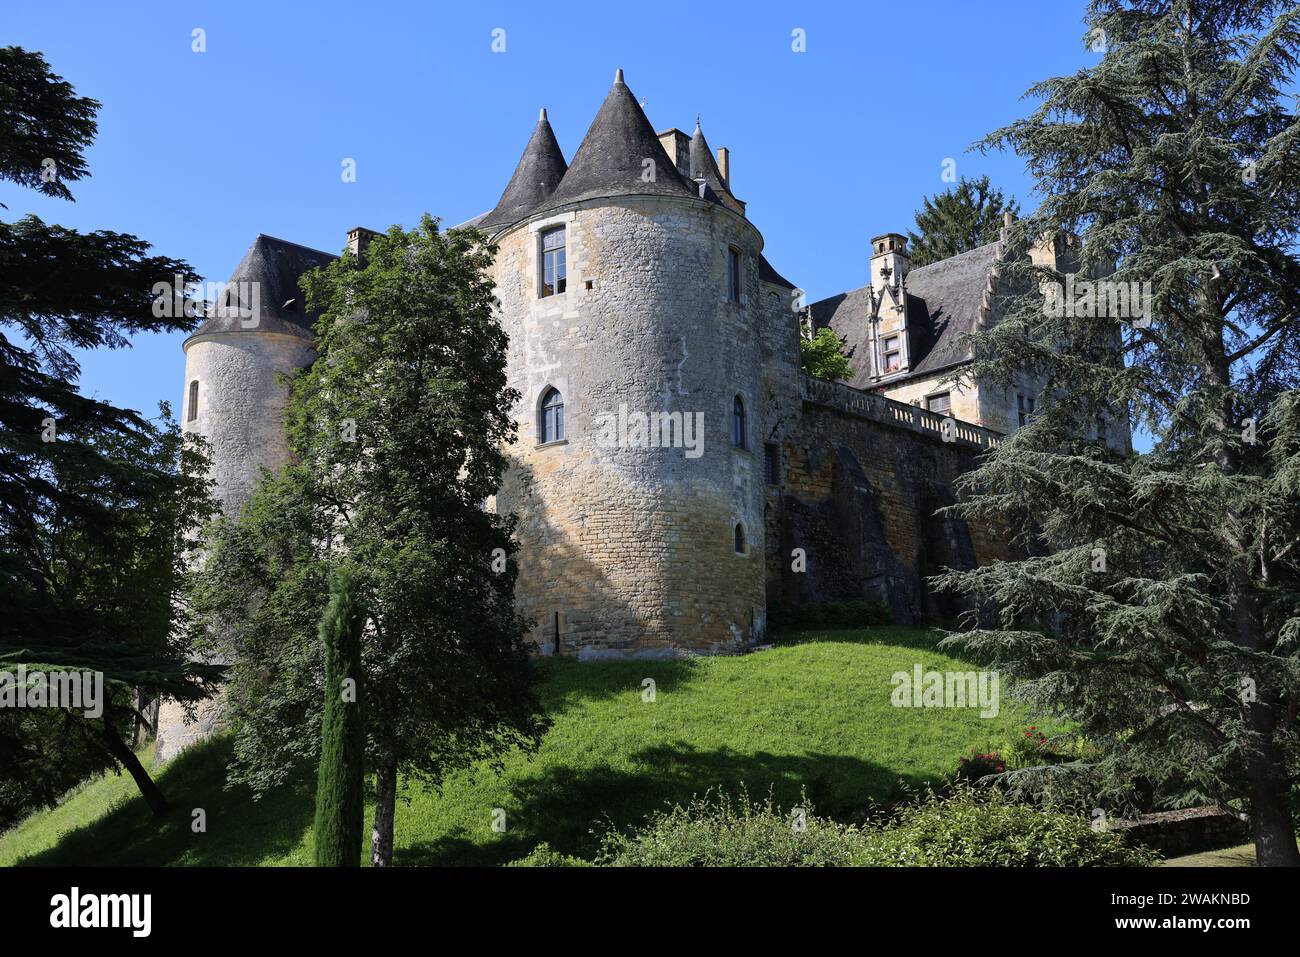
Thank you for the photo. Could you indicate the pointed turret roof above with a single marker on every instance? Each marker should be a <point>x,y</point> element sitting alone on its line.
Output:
<point>267,277</point>
<point>539,172</point>
<point>702,163</point>
<point>611,159</point>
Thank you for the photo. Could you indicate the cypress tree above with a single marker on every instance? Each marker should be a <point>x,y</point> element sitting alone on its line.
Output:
<point>340,799</point>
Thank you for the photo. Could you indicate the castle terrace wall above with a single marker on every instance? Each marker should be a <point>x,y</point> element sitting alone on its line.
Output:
<point>862,479</point>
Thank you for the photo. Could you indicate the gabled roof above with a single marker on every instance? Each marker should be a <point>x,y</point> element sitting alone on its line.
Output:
<point>274,265</point>
<point>611,159</point>
<point>943,305</point>
<point>539,172</point>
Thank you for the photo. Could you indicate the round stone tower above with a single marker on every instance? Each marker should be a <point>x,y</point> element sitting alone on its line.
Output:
<point>232,398</point>
<point>629,286</point>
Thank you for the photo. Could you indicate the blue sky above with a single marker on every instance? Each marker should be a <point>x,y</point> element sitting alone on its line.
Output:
<point>199,152</point>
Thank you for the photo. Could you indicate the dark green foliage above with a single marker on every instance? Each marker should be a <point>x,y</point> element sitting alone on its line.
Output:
<point>982,827</point>
<point>863,613</point>
<point>823,356</point>
<point>957,220</point>
<point>398,432</point>
<point>41,118</point>
<point>1158,607</point>
<point>340,787</point>
<point>543,855</point>
<point>717,830</point>
<point>95,501</point>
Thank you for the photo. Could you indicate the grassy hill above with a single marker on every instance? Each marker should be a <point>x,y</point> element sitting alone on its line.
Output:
<point>812,715</point>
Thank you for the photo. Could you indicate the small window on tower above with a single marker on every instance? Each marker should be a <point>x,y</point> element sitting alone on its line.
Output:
<point>1025,407</point>
<point>554,269</point>
<point>772,463</point>
<point>733,275</point>
<point>550,425</point>
<point>741,543</point>
<point>893,358</point>
<point>940,402</point>
<point>192,412</point>
<point>738,425</point>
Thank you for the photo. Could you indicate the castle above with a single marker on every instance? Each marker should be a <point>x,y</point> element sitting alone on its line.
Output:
<point>675,474</point>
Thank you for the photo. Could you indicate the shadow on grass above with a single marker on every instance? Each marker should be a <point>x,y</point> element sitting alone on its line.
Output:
<point>240,831</point>
<point>552,806</point>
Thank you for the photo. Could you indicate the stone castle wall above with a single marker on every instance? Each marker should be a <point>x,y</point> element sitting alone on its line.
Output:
<point>630,550</point>
<point>240,412</point>
<point>862,479</point>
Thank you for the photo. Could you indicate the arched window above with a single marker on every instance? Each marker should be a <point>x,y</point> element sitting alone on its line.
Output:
<point>192,412</point>
<point>741,543</point>
<point>550,425</point>
<point>738,429</point>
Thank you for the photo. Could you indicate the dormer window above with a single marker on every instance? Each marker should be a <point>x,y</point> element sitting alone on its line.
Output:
<point>892,359</point>
<point>554,269</point>
<point>733,275</point>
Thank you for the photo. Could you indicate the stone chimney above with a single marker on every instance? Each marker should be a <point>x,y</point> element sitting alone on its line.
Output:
<point>890,261</point>
<point>678,147</point>
<point>358,239</point>
<point>724,165</point>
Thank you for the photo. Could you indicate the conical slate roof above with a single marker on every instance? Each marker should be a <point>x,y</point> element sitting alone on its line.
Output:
<point>539,171</point>
<point>611,159</point>
<point>267,277</point>
<point>702,163</point>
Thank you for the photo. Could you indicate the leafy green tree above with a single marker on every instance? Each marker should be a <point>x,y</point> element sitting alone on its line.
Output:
<point>823,356</point>
<point>959,219</point>
<point>95,501</point>
<point>398,431</point>
<point>1159,607</point>
<point>340,785</point>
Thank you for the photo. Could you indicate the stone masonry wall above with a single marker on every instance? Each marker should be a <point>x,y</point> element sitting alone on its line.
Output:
<point>862,479</point>
<point>630,550</point>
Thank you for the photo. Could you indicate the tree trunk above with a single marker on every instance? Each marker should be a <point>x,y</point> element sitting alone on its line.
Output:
<point>126,757</point>
<point>381,837</point>
<point>1270,819</point>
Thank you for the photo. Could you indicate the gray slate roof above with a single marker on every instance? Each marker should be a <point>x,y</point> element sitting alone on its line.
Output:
<point>539,172</point>
<point>943,304</point>
<point>610,160</point>
<point>703,165</point>
<point>275,265</point>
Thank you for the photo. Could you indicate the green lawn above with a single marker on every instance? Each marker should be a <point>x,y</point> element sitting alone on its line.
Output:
<point>1241,856</point>
<point>814,715</point>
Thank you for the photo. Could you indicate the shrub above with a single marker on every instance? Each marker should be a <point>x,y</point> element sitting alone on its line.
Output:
<point>719,831</point>
<point>980,765</point>
<point>543,855</point>
<point>982,827</point>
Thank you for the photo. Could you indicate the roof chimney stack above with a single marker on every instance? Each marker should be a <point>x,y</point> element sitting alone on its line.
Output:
<point>358,239</point>
<point>724,165</point>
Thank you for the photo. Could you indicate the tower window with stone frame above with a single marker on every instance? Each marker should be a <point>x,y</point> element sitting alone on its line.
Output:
<point>192,412</point>
<point>554,267</point>
<point>741,543</point>
<point>733,275</point>
<point>550,420</point>
<point>739,427</point>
